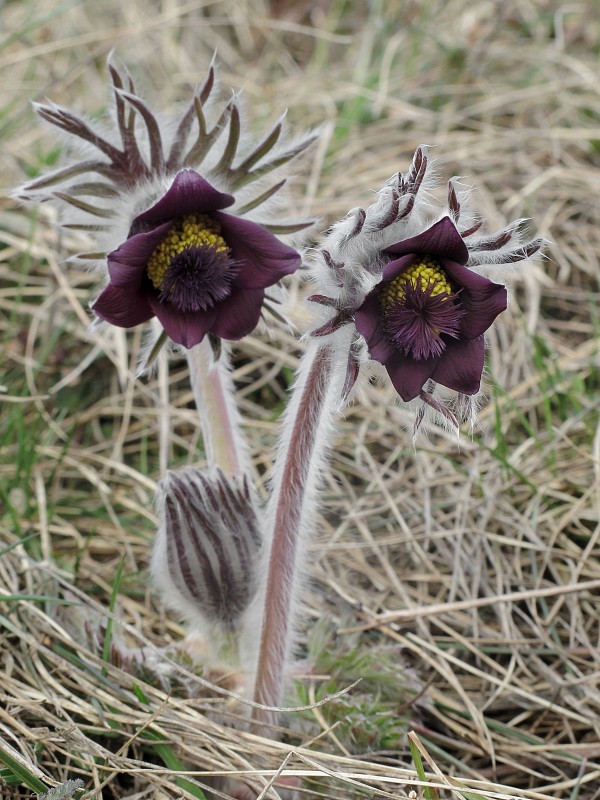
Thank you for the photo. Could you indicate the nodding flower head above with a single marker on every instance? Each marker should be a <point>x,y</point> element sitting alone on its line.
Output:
<point>411,278</point>
<point>195,267</point>
<point>207,547</point>
<point>427,315</point>
<point>154,199</point>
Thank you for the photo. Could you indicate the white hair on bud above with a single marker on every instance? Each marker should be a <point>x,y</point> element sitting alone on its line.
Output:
<point>206,553</point>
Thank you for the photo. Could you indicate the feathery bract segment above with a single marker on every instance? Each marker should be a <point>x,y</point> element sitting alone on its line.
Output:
<point>207,547</point>
<point>410,276</point>
<point>141,185</point>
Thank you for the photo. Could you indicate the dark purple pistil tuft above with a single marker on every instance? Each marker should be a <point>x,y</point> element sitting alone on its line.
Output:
<point>197,279</point>
<point>417,321</point>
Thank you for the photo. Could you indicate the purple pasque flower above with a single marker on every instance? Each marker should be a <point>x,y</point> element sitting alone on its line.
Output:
<point>418,291</point>
<point>196,268</point>
<point>151,191</point>
<point>426,318</point>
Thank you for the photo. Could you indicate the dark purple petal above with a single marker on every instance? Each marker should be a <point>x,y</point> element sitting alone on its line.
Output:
<point>123,307</point>
<point>189,193</point>
<point>442,240</point>
<point>261,258</point>
<point>481,299</point>
<point>258,259</point>
<point>238,315</point>
<point>127,264</point>
<point>183,327</point>
<point>409,376</point>
<point>461,366</point>
<point>394,268</point>
<point>369,323</point>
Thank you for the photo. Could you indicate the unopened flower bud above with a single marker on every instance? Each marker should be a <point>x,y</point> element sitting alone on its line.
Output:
<point>207,547</point>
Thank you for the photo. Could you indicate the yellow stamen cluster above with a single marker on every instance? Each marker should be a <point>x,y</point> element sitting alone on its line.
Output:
<point>421,275</point>
<point>194,230</point>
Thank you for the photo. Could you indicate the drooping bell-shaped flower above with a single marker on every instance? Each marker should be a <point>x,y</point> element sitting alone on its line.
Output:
<point>416,281</point>
<point>426,317</point>
<point>181,213</point>
<point>197,268</point>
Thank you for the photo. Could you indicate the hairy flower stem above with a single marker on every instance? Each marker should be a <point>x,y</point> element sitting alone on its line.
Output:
<point>220,421</point>
<point>307,431</point>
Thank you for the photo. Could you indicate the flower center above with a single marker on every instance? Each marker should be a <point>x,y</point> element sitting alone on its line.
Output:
<point>192,267</point>
<point>419,308</point>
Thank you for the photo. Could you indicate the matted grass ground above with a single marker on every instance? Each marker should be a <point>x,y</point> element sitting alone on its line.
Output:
<point>460,581</point>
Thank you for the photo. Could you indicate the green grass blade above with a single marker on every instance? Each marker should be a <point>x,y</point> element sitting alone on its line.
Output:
<point>12,546</point>
<point>428,793</point>
<point>165,752</point>
<point>36,598</point>
<point>19,770</point>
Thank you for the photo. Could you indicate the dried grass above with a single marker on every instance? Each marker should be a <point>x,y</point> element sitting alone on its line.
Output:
<point>478,562</point>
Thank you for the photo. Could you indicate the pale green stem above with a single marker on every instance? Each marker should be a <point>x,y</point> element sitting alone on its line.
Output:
<point>164,412</point>
<point>214,394</point>
<point>307,433</point>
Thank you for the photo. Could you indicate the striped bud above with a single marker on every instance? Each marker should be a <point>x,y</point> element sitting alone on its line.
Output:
<point>207,547</point>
